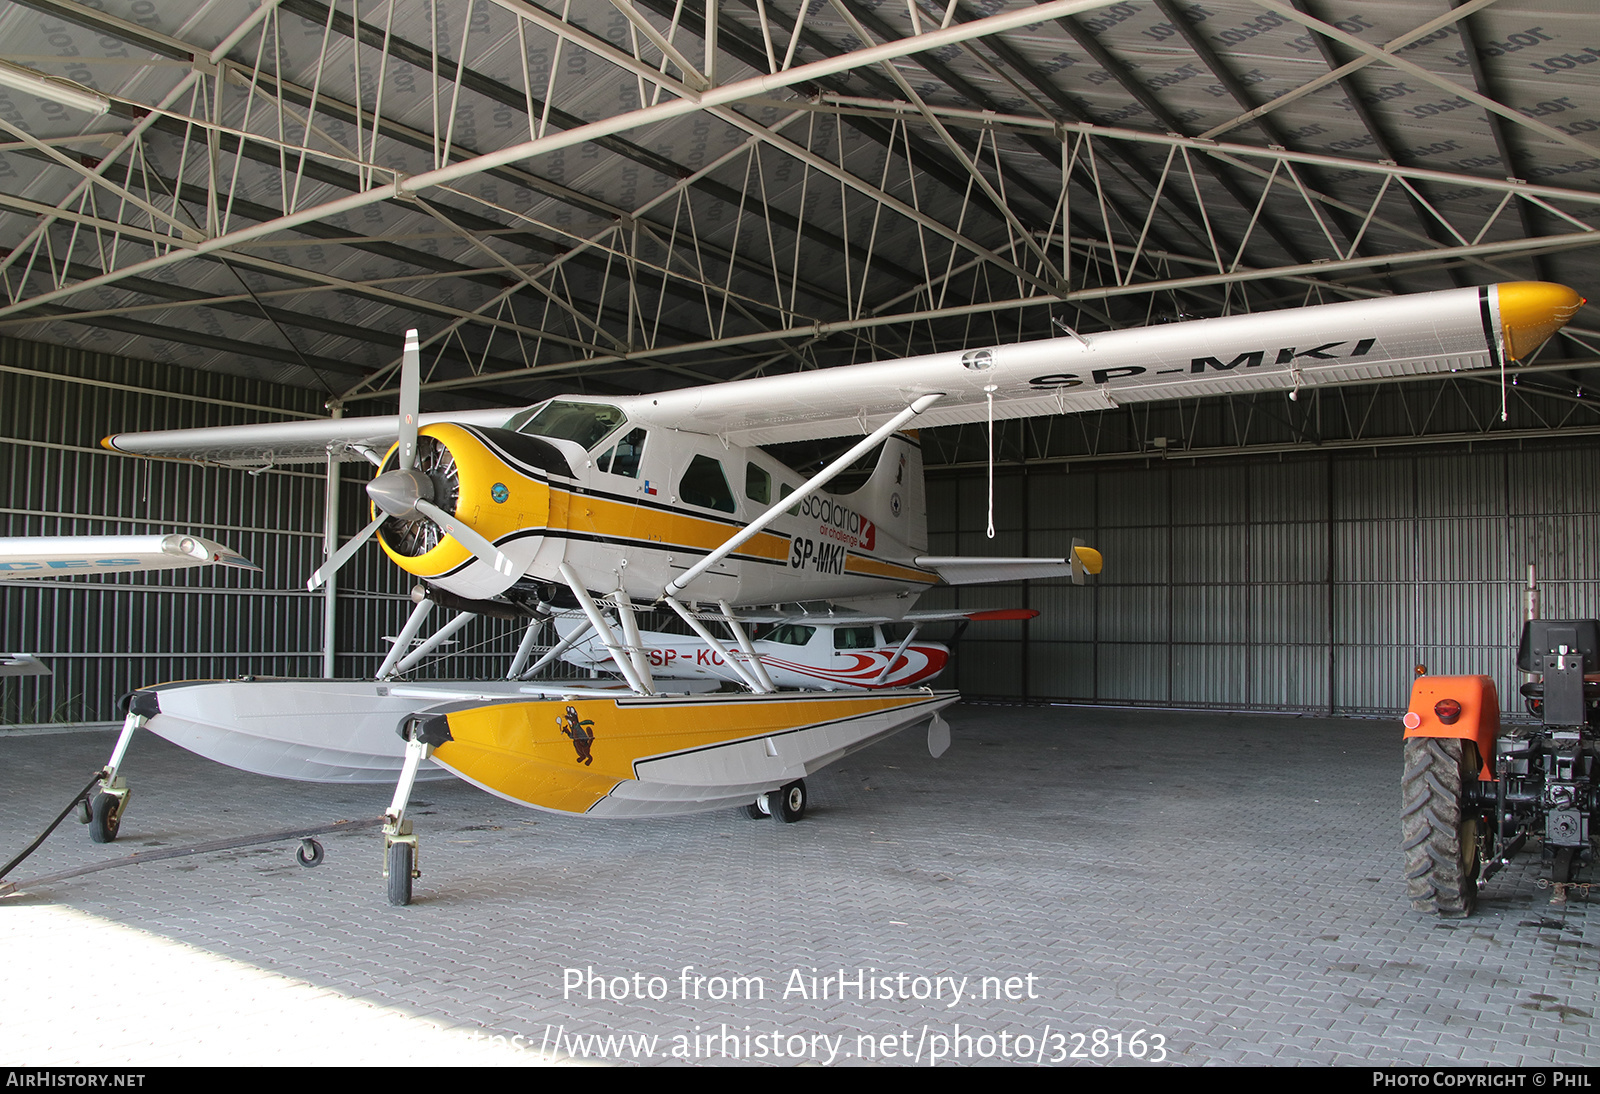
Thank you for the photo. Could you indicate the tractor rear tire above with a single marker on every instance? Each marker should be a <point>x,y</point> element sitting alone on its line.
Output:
<point>1439,830</point>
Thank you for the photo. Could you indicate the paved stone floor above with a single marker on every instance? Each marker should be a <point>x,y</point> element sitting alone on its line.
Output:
<point>1099,886</point>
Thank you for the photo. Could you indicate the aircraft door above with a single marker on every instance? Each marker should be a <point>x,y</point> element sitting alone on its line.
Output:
<point>852,647</point>
<point>622,483</point>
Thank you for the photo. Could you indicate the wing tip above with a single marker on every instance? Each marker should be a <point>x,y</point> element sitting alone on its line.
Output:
<point>1532,311</point>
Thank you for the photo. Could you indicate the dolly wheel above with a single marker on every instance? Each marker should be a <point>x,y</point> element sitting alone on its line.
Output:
<point>105,818</point>
<point>401,860</point>
<point>1439,831</point>
<point>789,804</point>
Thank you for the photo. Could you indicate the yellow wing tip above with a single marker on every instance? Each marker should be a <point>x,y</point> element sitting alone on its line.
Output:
<point>1531,311</point>
<point>1090,558</point>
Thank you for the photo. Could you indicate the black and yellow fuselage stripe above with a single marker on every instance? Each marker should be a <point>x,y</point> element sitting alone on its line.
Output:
<point>537,505</point>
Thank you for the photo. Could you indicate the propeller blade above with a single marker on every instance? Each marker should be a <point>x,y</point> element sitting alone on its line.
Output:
<point>468,537</point>
<point>342,555</point>
<point>410,398</point>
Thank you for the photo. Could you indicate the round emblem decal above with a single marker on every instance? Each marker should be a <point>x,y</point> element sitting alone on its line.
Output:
<point>499,492</point>
<point>894,504</point>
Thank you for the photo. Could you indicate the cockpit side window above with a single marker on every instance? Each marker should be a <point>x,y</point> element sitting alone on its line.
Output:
<point>853,638</point>
<point>705,485</point>
<point>622,458</point>
<point>586,423</point>
<point>789,634</point>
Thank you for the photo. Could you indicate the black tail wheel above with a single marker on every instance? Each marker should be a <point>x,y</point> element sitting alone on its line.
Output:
<point>1439,830</point>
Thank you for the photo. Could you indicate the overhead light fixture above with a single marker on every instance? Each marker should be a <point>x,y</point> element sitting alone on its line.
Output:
<point>57,89</point>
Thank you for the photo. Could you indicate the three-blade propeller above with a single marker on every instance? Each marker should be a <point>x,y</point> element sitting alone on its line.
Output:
<point>406,493</point>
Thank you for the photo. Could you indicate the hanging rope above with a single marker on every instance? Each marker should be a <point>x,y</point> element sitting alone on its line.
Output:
<point>1502,357</point>
<point>988,393</point>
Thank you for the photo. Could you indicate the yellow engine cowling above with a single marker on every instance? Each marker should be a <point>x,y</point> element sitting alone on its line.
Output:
<point>500,488</point>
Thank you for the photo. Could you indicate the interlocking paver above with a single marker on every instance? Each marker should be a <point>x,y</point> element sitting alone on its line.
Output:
<point>1228,883</point>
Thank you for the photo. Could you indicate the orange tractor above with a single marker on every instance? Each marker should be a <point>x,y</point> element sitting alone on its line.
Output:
<point>1475,794</point>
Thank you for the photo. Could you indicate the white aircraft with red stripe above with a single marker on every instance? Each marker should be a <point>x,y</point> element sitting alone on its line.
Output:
<point>819,650</point>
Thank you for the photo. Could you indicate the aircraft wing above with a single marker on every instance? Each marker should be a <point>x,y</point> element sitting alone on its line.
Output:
<point>1383,338</point>
<point>345,439</point>
<point>851,619</point>
<point>62,556</point>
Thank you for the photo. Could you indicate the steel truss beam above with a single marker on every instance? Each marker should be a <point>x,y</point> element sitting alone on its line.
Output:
<point>656,288</point>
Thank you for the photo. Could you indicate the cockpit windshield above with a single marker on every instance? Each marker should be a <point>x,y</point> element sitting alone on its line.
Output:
<point>586,423</point>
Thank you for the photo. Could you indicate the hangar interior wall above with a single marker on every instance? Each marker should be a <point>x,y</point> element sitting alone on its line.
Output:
<point>1312,583</point>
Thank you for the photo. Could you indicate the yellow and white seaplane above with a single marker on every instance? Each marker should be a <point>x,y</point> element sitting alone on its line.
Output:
<point>669,500</point>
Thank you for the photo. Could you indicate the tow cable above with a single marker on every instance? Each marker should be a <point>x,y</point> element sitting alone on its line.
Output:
<point>308,854</point>
<point>83,795</point>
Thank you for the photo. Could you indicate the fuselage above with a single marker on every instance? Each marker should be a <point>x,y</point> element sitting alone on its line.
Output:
<point>629,506</point>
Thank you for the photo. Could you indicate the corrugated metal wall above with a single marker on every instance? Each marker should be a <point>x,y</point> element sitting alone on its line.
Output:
<point>1306,583</point>
<point>103,636</point>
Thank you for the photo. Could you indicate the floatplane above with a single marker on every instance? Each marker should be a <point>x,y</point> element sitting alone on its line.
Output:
<point>668,500</point>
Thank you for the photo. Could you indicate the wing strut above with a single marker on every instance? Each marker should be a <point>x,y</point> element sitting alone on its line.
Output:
<point>711,640</point>
<point>558,649</point>
<point>432,642</point>
<point>743,639</point>
<point>402,641</point>
<point>619,653</point>
<point>895,656</point>
<point>821,478</point>
<point>525,648</point>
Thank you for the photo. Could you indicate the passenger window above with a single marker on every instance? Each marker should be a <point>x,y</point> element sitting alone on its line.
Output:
<point>757,484</point>
<point>853,638</point>
<point>784,490</point>
<point>705,485</point>
<point>622,458</point>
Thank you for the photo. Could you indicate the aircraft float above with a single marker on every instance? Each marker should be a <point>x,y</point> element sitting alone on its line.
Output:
<point>668,500</point>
